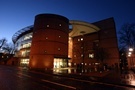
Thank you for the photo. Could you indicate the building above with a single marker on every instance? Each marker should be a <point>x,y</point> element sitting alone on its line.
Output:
<point>130,58</point>
<point>4,57</point>
<point>56,42</point>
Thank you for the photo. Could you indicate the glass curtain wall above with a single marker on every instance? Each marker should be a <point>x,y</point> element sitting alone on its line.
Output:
<point>60,63</point>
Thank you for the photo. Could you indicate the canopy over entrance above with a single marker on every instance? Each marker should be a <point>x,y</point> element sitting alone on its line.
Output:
<point>81,28</point>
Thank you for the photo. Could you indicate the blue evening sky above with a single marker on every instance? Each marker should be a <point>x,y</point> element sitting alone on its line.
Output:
<point>17,14</point>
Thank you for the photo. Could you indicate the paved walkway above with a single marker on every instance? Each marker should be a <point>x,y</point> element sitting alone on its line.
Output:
<point>10,79</point>
<point>126,78</point>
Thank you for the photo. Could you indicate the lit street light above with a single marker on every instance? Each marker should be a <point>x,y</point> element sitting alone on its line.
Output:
<point>130,56</point>
<point>130,49</point>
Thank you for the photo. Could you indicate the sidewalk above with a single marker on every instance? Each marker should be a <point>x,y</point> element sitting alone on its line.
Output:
<point>85,72</point>
<point>117,78</point>
<point>112,77</point>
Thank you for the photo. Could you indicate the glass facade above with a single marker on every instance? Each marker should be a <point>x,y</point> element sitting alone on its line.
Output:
<point>77,49</point>
<point>22,48</point>
<point>24,62</point>
<point>24,41</point>
<point>25,53</point>
<point>59,63</point>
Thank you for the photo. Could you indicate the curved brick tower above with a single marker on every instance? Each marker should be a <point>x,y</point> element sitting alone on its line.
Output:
<point>50,42</point>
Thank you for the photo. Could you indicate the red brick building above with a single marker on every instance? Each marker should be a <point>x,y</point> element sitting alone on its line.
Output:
<point>101,41</point>
<point>50,42</point>
<point>56,42</point>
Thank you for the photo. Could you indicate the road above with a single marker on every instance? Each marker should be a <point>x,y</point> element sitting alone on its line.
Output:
<point>15,78</point>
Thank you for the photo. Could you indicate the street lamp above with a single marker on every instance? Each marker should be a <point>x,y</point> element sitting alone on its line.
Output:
<point>130,55</point>
<point>130,49</point>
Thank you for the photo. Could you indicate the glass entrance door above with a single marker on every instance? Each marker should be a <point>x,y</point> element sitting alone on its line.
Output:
<point>24,62</point>
<point>59,63</point>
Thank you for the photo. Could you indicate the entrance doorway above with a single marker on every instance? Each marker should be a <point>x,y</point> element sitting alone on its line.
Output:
<point>24,62</point>
<point>60,63</point>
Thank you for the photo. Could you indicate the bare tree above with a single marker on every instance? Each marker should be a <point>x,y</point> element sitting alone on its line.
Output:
<point>2,42</point>
<point>101,54</point>
<point>9,48</point>
<point>127,36</point>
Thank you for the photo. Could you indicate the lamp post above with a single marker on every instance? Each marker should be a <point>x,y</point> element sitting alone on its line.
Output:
<point>130,56</point>
<point>130,49</point>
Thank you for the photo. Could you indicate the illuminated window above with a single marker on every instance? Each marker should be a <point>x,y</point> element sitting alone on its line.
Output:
<point>46,38</point>
<point>81,39</point>
<point>69,64</point>
<point>26,45</point>
<point>59,49</point>
<point>25,53</point>
<point>70,27</point>
<point>24,61</point>
<point>60,25</point>
<point>97,63</point>
<point>28,36</point>
<point>69,56</point>
<point>47,25</point>
<point>91,55</point>
<point>59,63</point>
<point>59,36</point>
<point>82,55</point>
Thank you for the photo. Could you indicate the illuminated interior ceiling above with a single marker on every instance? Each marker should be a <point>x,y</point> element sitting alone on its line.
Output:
<point>82,28</point>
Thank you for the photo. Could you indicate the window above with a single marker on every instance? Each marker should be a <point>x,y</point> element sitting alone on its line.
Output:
<point>81,55</point>
<point>47,25</point>
<point>91,55</point>
<point>24,62</point>
<point>29,36</point>
<point>58,49</point>
<point>70,27</point>
<point>26,45</point>
<point>81,39</point>
<point>60,25</point>
<point>46,38</point>
<point>25,53</point>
